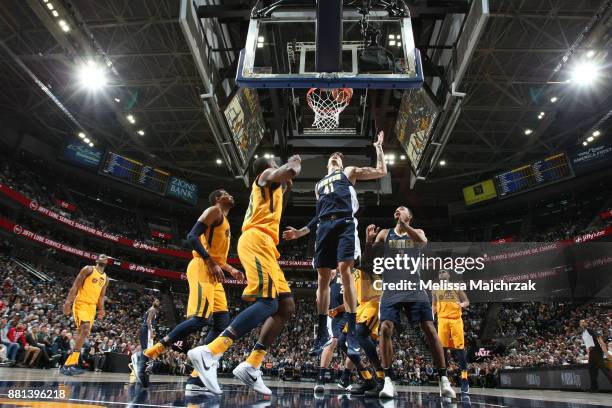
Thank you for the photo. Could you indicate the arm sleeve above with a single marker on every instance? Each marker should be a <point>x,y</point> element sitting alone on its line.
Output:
<point>194,239</point>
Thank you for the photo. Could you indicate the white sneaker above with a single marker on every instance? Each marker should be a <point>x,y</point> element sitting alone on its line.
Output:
<point>206,363</point>
<point>251,376</point>
<point>445,388</point>
<point>388,390</point>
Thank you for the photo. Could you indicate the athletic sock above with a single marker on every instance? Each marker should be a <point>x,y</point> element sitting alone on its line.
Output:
<point>256,358</point>
<point>73,359</point>
<point>442,372</point>
<point>322,327</point>
<point>155,351</point>
<point>365,374</point>
<point>322,372</point>
<point>220,344</point>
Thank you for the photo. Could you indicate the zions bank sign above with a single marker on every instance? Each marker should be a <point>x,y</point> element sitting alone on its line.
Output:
<point>183,190</point>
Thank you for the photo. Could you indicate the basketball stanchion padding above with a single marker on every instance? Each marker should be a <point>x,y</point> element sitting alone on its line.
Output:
<point>327,104</point>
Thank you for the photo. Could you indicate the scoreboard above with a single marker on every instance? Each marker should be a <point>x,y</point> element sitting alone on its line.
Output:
<point>534,175</point>
<point>136,173</point>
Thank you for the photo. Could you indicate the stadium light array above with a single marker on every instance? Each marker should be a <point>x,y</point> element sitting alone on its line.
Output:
<point>141,132</point>
<point>584,73</point>
<point>55,13</point>
<point>117,100</point>
<point>50,6</point>
<point>92,76</point>
<point>442,162</point>
<point>82,135</point>
<point>86,140</point>
<point>528,131</point>
<point>64,26</point>
<point>219,161</point>
<point>596,133</point>
<point>130,118</point>
<point>402,157</point>
<point>584,143</point>
<point>554,99</point>
<point>590,139</point>
<point>590,54</point>
<point>91,144</point>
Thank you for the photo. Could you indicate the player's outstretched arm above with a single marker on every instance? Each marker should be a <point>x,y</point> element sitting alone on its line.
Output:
<point>284,173</point>
<point>291,233</point>
<point>370,173</point>
<point>78,282</point>
<point>374,248</point>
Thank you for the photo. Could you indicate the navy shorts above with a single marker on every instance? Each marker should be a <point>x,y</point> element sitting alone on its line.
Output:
<point>336,241</point>
<point>416,312</point>
<point>337,324</point>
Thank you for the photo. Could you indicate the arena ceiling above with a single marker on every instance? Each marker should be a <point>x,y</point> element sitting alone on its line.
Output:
<point>521,62</point>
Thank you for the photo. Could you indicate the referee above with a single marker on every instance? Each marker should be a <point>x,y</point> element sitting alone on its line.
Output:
<point>595,346</point>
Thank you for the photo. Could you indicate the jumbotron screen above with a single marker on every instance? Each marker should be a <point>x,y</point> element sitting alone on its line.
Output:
<point>135,173</point>
<point>537,174</point>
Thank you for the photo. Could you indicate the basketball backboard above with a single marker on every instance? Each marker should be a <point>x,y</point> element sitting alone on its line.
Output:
<point>378,51</point>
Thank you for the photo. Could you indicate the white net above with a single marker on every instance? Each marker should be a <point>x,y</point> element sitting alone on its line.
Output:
<point>327,104</point>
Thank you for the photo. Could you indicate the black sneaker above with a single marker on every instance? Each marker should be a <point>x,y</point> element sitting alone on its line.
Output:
<point>320,343</point>
<point>376,391</point>
<point>363,387</point>
<point>345,384</point>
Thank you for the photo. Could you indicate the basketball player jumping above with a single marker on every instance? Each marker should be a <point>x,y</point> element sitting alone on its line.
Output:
<point>266,283</point>
<point>448,305</point>
<point>389,243</point>
<point>85,296</point>
<point>210,241</point>
<point>337,244</point>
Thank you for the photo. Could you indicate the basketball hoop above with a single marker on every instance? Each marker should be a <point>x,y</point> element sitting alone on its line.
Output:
<point>327,104</point>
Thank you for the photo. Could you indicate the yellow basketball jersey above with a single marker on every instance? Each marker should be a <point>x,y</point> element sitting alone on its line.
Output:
<point>216,241</point>
<point>265,208</point>
<point>448,304</point>
<point>364,286</point>
<point>92,286</point>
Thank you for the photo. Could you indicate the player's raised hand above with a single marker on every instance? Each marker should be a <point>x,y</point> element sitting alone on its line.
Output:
<point>290,233</point>
<point>295,159</point>
<point>380,139</point>
<point>371,232</point>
